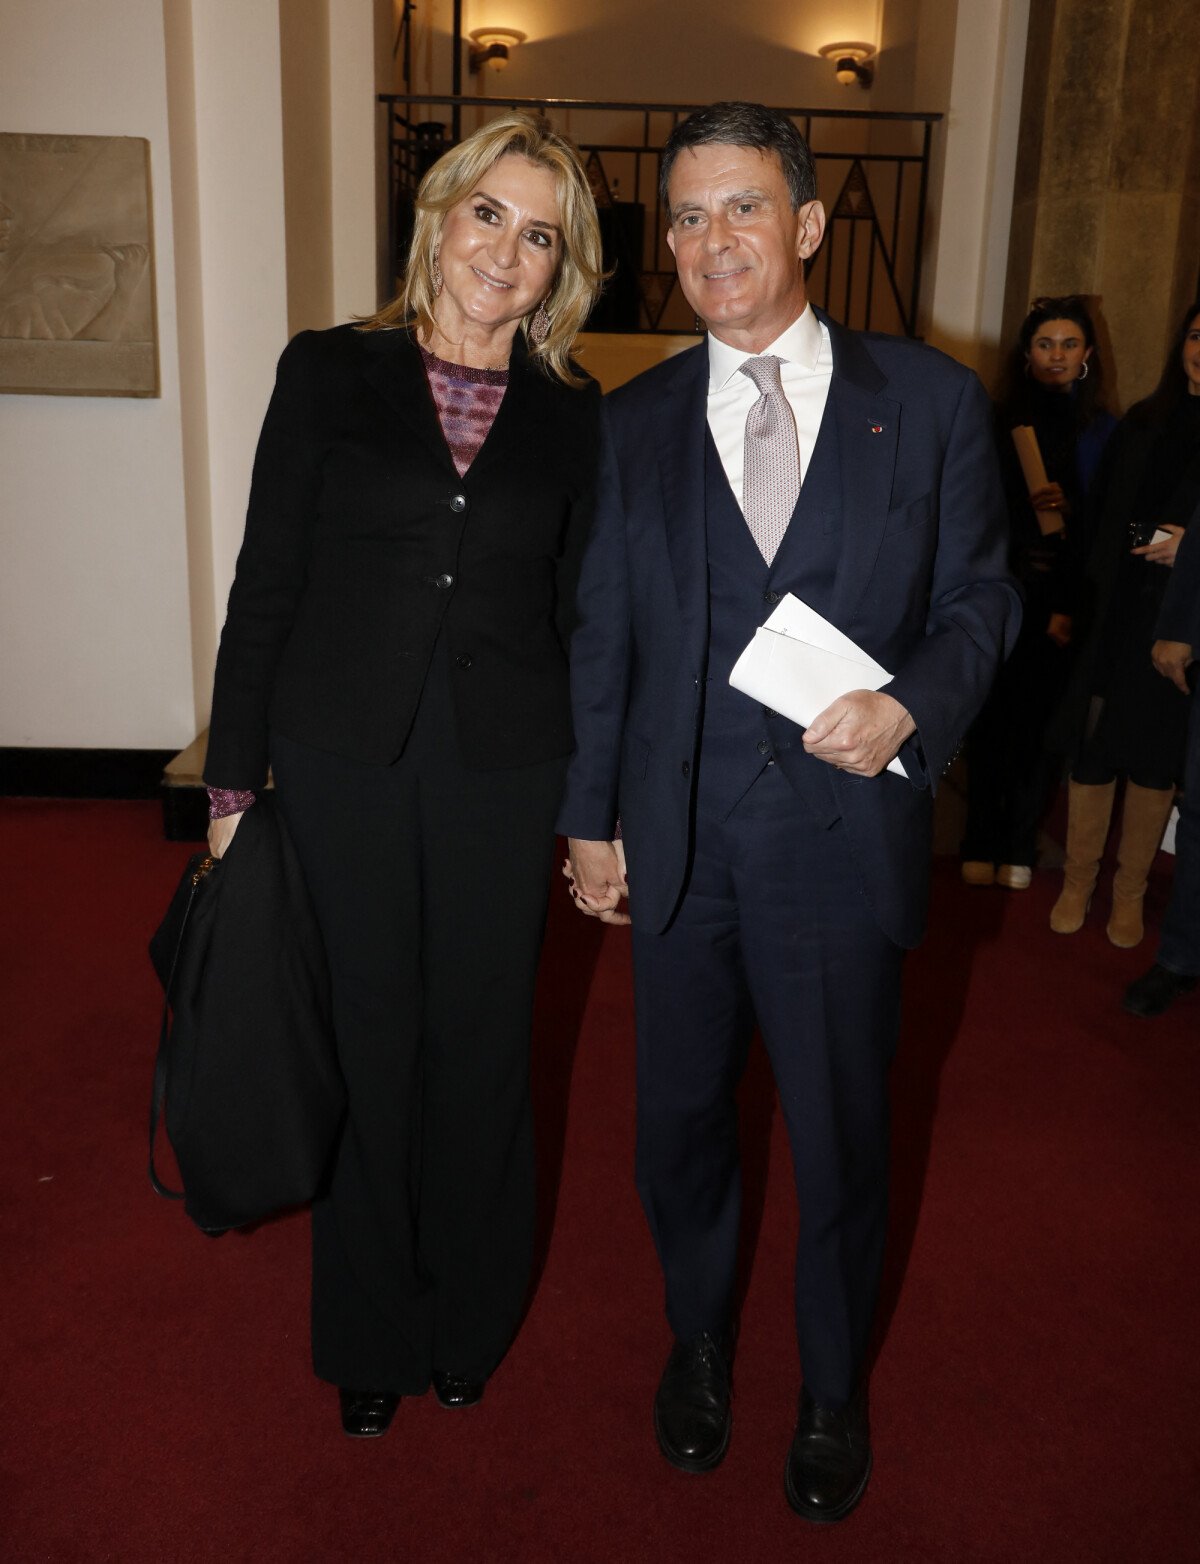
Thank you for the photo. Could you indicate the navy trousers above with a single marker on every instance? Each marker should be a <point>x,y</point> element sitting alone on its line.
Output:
<point>774,927</point>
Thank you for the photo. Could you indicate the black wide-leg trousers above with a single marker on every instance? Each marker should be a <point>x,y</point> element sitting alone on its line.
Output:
<point>774,926</point>
<point>429,881</point>
<point>1010,773</point>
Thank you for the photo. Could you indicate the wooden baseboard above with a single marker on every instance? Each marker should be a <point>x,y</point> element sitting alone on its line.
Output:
<point>81,773</point>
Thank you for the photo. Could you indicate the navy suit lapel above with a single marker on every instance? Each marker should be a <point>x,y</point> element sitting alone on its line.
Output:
<point>867,429</point>
<point>868,432</point>
<point>680,428</point>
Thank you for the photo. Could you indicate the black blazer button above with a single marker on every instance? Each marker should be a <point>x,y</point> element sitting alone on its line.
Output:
<point>771,596</point>
<point>686,768</point>
<point>458,504</point>
<point>463,661</point>
<point>764,747</point>
<point>443,581</point>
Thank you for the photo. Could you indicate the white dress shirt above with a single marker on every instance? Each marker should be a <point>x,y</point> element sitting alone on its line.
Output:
<point>805,373</point>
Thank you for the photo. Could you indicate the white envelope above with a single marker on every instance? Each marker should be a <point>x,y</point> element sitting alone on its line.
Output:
<point>798,664</point>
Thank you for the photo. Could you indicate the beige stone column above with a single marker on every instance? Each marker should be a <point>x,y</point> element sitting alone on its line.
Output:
<point>223,94</point>
<point>336,55</point>
<point>1107,190</point>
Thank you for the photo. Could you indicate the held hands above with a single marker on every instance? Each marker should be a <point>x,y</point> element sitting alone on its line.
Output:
<point>1162,553</point>
<point>1172,659</point>
<point>859,732</point>
<point>220,833</point>
<point>595,872</point>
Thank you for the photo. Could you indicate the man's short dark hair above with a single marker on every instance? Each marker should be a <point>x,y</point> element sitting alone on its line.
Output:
<point>744,125</point>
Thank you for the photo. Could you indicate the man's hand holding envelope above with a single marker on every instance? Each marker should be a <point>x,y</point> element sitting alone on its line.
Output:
<point>806,668</point>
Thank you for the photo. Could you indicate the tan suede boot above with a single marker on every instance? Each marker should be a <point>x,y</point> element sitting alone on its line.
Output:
<point>1089,811</point>
<point>1142,824</point>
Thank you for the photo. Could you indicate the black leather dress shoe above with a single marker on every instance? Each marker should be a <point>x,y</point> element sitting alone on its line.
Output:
<point>1155,991</point>
<point>830,1459</point>
<point>456,1390</point>
<point>692,1420</point>
<point>367,1413</point>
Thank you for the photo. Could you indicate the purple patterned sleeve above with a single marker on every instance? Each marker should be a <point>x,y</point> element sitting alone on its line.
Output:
<point>224,801</point>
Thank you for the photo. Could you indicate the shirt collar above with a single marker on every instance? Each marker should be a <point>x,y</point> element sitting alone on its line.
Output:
<point>800,344</point>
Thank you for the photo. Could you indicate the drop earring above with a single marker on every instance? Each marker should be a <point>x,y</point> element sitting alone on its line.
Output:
<point>539,326</point>
<point>435,277</point>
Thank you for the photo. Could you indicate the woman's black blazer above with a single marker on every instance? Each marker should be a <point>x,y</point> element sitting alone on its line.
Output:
<point>363,544</point>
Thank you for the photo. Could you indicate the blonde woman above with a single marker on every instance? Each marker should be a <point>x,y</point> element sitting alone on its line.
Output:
<point>395,649</point>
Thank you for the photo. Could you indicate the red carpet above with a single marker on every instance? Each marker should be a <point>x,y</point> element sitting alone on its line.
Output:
<point>1036,1390</point>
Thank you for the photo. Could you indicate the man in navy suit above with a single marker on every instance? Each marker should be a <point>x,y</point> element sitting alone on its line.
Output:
<point>774,874</point>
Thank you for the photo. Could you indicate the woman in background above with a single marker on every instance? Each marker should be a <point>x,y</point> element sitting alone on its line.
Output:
<point>395,647</point>
<point>1055,385</point>
<point>1151,487</point>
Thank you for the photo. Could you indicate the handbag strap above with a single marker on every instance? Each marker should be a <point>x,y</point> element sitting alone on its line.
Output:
<point>158,1095</point>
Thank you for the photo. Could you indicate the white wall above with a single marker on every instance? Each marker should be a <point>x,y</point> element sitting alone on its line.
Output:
<point>94,613</point>
<point>634,51</point>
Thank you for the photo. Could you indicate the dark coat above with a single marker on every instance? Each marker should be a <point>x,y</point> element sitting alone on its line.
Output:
<point>921,583</point>
<point>363,544</point>
<point>1120,509</point>
<point>1179,616</point>
<point>1050,568</point>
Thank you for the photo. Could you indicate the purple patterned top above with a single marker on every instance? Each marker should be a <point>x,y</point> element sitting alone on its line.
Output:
<point>467,401</point>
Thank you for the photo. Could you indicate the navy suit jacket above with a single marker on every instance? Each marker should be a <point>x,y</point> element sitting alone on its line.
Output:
<point>922,584</point>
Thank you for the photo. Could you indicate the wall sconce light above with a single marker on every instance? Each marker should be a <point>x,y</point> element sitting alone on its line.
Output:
<point>491,46</point>
<point>851,62</point>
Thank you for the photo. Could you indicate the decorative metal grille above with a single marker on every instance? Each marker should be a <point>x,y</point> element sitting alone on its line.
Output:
<point>872,171</point>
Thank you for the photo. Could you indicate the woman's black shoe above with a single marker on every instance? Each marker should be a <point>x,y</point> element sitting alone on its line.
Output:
<point>367,1413</point>
<point>456,1390</point>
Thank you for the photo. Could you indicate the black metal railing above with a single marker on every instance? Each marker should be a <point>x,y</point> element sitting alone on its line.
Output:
<point>873,175</point>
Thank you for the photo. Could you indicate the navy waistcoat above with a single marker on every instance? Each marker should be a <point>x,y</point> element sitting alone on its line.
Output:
<point>739,736</point>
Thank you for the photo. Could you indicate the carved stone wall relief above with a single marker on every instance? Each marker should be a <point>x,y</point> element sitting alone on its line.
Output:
<point>77,311</point>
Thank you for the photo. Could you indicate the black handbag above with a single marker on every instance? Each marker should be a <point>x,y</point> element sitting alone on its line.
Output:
<point>247,1068</point>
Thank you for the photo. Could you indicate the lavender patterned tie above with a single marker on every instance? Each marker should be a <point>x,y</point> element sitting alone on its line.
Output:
<point>771,483</point>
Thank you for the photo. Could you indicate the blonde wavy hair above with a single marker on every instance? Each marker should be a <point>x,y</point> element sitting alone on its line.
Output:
<point>452,178</point>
